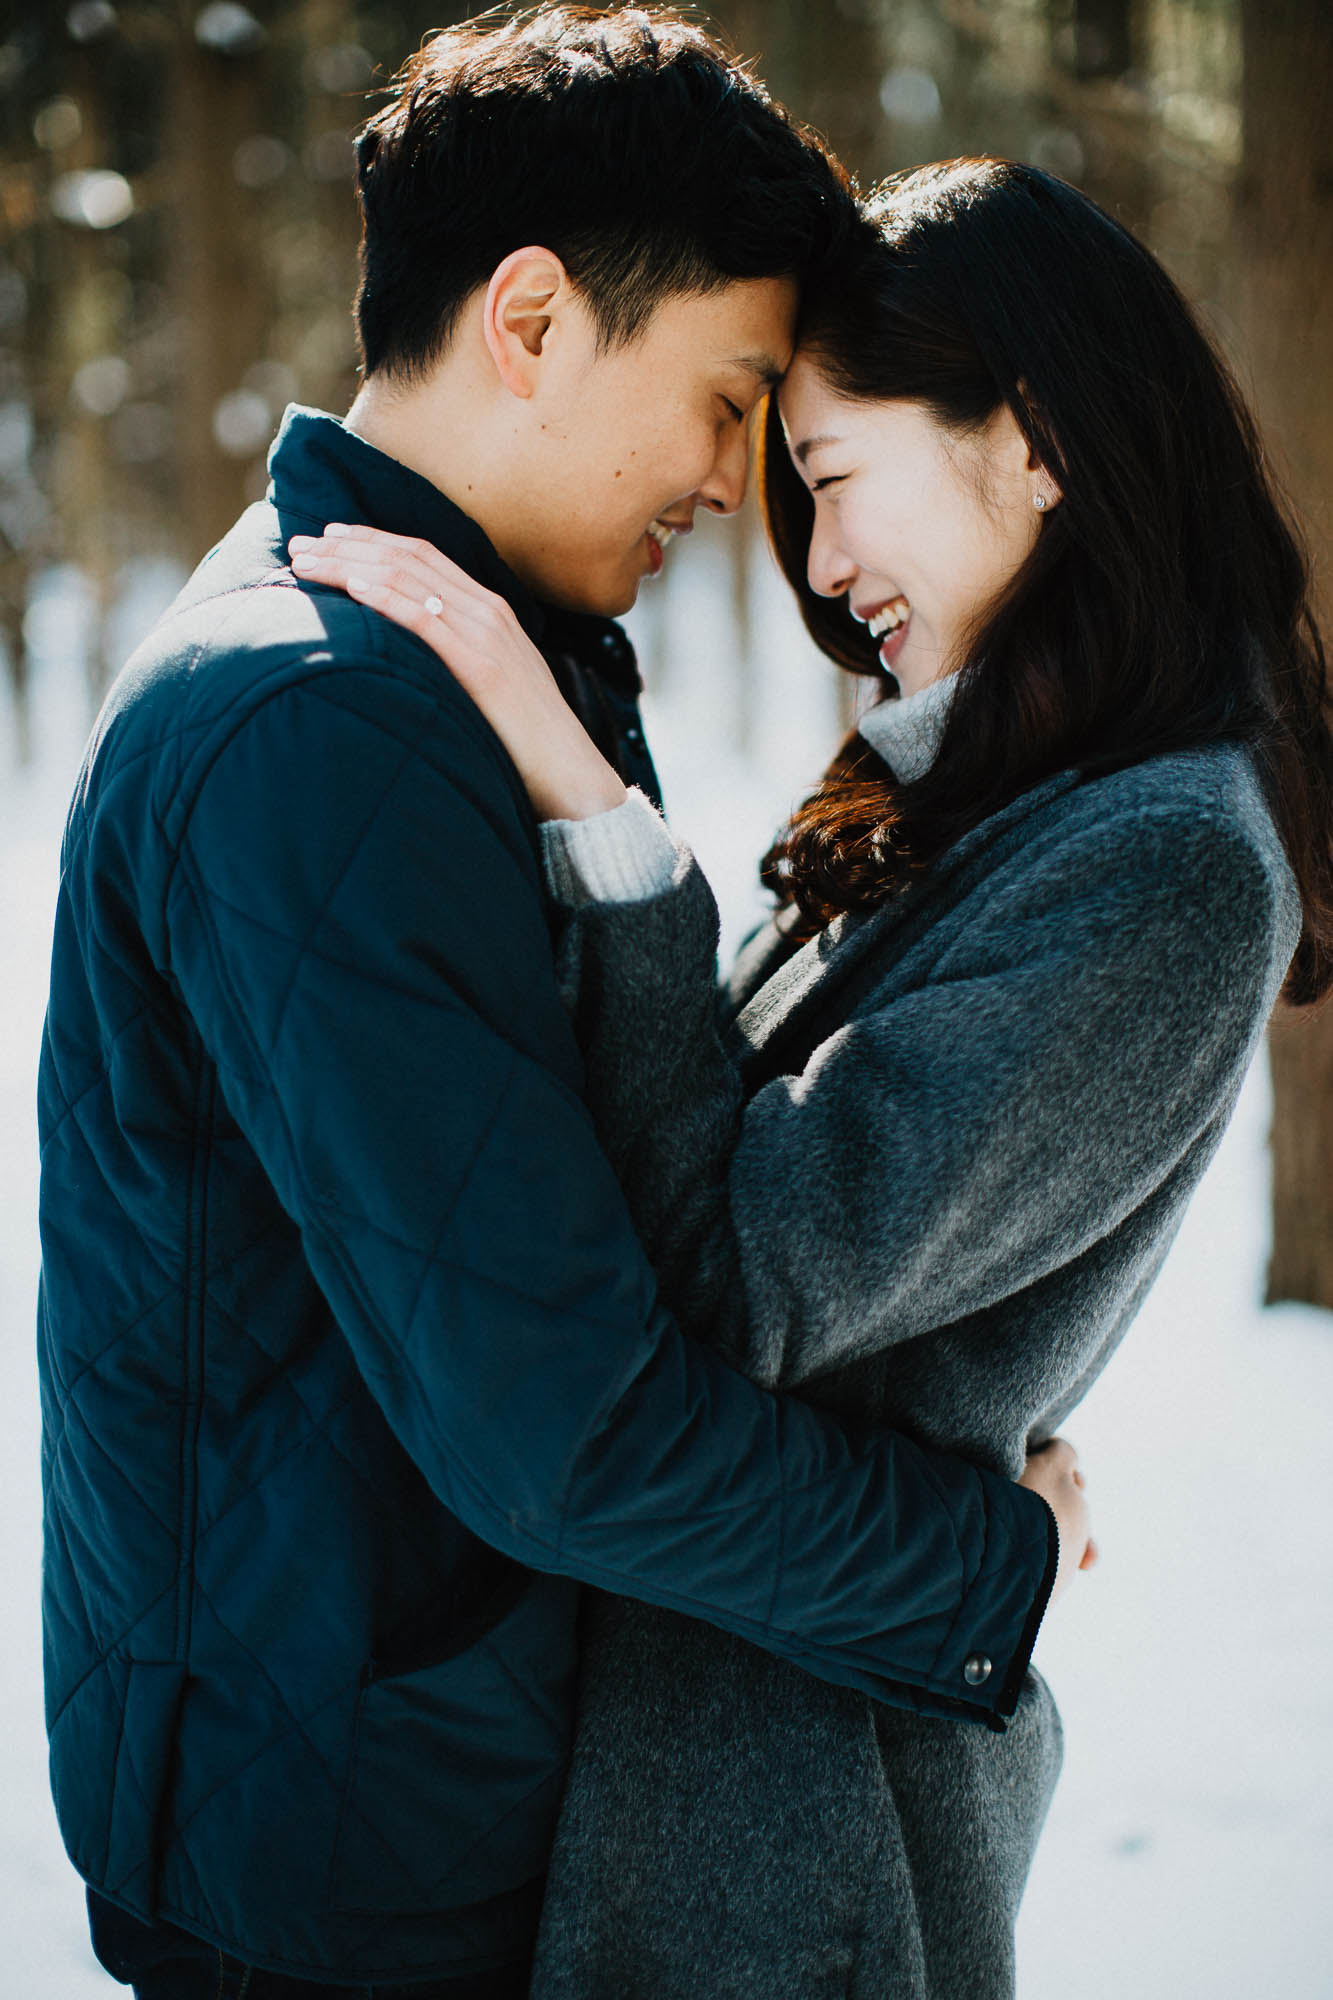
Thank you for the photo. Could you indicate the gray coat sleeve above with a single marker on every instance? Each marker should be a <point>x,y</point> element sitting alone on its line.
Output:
<point>948,1145</point>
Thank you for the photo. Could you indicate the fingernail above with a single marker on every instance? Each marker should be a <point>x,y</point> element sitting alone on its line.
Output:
<point>335,528</point>
<point>356,584</point>
<point>302,541</point>
<point>304,562</point>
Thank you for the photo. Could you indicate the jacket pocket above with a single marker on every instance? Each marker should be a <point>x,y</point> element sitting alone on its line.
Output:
<point>457,1766</point>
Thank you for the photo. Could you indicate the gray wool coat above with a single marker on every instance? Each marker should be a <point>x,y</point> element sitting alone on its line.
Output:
<point>922,1170</point>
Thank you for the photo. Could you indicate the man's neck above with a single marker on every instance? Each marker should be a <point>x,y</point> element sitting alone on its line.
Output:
<point>404,423</point>
<point>432,427</point>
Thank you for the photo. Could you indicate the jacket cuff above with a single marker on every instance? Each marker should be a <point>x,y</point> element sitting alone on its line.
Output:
<point>1018,1665</point>
<point>625,855</point>
<point>987,1653</point>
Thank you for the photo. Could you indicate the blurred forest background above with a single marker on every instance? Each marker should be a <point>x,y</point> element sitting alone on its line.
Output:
<point>178,236</point>
<point>177,256</point>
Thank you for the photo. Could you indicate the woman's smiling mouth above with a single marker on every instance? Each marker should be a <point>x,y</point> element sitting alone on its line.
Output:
<point>889,623</point>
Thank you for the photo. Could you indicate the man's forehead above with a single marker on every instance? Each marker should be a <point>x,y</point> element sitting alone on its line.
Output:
<point>747,325</point>
<point>767,369</point>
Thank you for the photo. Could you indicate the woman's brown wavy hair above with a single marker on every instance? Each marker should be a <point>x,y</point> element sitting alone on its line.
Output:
<point>1167,602</point>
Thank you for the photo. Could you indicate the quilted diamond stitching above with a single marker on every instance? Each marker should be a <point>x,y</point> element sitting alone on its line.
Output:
<point>314,1431</point>
<point>322,690</point>
<point>101,1080</point>
<point>124,1762</point>
<point>430,1256</point>
<point>297,1722</point>
<point>321,911</point>
<point>233,1776</point>
<point>71,1576</point>
<point>124,1478</point>
<point>125,762</point>
<point>273,686</point>
<point>69,1386</point>
<point>141,1240</point>
<point>317,1429</point>
<point>107,1652</point>
<point>439,1881</point>
<point>381,982</point>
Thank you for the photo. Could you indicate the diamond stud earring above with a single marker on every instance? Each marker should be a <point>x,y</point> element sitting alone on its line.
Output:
<point>1039,502</point>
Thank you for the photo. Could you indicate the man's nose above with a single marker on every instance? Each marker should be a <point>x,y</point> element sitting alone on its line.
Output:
<point>724,488</point>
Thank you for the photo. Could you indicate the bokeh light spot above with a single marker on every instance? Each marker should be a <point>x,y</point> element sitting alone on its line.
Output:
<point>101,386</point>
<point>912,96</point>
<point>259,161</point>
<point>141,432</point>
<point>229,28</point>
<point>1059,151</point>
<point>15,436</point>
<point>339,66</point>
<point>96,200</point>
<point>89,19</point>
<point>57,124</point>
<point>13,299</point>
<point>274,381</point>
<point>329,157</point>
<point>242,423</point>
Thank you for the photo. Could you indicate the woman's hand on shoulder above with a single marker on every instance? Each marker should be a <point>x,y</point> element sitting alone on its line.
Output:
<point>1053,1471</point>
<point>477,636</point>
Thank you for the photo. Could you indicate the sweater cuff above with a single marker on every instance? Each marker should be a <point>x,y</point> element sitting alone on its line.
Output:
<point>625,855</point>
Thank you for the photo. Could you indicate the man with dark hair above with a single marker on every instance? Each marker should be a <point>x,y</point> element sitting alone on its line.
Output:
<point>352,1366</point>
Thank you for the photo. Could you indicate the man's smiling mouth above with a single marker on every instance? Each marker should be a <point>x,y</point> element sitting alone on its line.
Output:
<point>662,530</point>
<point>659,533</point>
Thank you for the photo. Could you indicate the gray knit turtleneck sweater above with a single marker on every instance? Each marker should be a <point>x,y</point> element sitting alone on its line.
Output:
<point>907,732</point>
<point>627,854</point>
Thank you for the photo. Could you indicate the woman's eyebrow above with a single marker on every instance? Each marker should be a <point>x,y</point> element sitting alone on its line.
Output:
<point>802,451</point>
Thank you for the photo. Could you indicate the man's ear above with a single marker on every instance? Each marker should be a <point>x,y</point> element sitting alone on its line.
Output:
<point>523,301</point>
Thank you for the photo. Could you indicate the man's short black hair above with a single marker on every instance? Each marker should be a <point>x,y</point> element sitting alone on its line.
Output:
<point>628,141</point>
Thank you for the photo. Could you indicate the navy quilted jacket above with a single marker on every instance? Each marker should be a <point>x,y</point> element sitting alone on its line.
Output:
<point>352,1365</point>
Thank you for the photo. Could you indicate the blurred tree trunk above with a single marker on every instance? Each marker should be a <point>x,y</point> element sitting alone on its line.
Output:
<point>86,327</point>
<point>218,287</point>
<point>1284,272</point>
<point>1101,37</point>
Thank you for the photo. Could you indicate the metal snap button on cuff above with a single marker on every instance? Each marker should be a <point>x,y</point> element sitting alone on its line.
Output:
<point>976,1669</point>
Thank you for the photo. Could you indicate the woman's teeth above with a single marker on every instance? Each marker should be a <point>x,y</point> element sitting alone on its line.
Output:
<point>660,534</point>
<point>889,618</point>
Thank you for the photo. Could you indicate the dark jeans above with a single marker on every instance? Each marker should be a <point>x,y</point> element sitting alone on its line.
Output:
<point>163,1963</point>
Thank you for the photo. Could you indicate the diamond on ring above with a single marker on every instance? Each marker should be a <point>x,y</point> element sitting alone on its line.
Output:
<point>434,606</point>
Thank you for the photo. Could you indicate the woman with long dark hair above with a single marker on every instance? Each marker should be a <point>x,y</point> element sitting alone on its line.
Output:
<point>925,1161</point>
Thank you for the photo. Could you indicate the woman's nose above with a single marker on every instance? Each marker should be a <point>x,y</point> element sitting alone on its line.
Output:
<point>830,571</point>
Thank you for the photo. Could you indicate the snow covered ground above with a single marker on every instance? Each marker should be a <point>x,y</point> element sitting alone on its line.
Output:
<point>1189,1853</point>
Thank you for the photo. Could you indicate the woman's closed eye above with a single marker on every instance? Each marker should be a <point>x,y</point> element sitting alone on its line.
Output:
<point>829,479</point>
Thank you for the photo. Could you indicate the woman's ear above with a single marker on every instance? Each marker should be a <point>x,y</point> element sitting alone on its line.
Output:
<point>1044,489</point>
<point>525,299</point>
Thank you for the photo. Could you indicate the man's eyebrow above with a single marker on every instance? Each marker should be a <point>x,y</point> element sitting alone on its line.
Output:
<point>761,365</point>
<point>802,451</point>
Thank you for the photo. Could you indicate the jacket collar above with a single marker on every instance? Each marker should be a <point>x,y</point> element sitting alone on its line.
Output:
<point>772,996</point>
<point>320,471</point>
